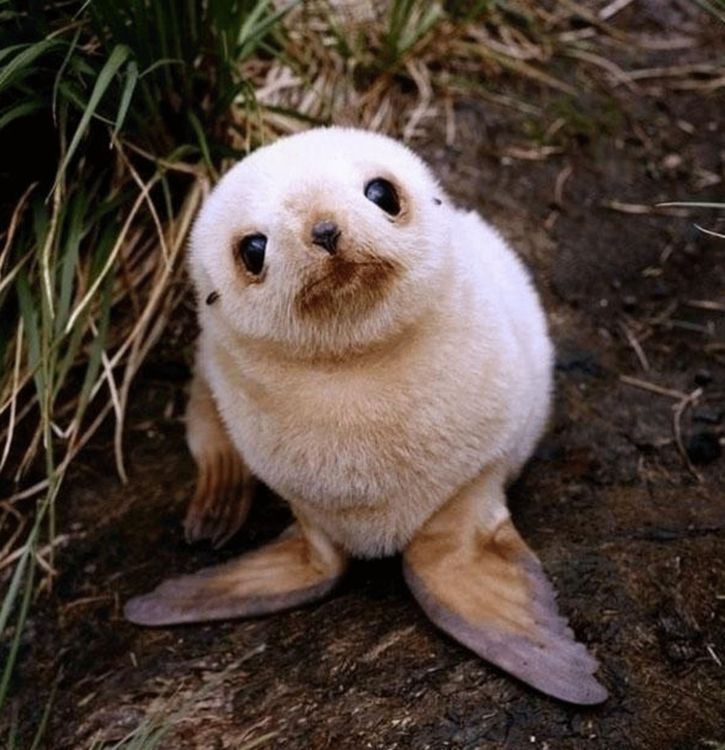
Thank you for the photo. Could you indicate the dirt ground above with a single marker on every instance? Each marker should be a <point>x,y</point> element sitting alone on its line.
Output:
<point>623,502</point>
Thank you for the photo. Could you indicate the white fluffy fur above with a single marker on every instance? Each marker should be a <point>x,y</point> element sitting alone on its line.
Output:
<point>367,420</point>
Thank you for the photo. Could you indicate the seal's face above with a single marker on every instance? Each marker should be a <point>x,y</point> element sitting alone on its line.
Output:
<point>329,238</point>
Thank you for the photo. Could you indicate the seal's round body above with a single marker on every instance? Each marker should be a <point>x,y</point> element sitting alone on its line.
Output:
<point>380,359</point>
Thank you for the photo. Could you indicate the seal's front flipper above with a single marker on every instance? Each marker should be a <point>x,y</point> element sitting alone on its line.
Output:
<point>477,580</point>
<point>298,567</point>
<point>224,484</point>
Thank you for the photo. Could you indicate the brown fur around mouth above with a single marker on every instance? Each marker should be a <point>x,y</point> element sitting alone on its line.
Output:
<point>355,286</point>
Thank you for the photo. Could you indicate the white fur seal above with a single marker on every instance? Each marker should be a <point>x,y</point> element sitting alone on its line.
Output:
<point>380,359</point>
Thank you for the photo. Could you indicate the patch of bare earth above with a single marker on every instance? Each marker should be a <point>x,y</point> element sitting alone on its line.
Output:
<point>623,502</point>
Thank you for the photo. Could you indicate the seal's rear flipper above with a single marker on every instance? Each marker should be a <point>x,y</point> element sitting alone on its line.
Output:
<point>487,589</point>
<point>298,567</point>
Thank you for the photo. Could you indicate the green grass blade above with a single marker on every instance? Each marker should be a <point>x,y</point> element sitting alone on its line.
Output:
<point>24,109</point>
<point>97,346</point>
<point>409,22</point>
<point>12,737</point>
<point>20,64</point>
<point>126,96</point>
<point>158,64</point>
<point>116,59</point>
<point>69,56</point>
<point>8,51</point>
<point>203,143</point>
<point>68,265</point>
<point>40,731</point>
<point>31,328</point>
<point>26,563</point>
<point>13,590</point>
<point>256,27</point>
<point>250,25</point>
<point>22,584</point>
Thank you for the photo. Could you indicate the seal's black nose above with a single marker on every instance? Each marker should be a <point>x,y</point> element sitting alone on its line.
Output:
<point>325,234</point>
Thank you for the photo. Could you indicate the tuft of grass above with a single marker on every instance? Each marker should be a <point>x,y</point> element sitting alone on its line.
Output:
<point>391,66</point>
<point>171,710</point>
<point>122,113</point>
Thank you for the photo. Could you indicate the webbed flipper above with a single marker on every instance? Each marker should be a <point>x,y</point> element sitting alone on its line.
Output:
<point>225,486</point>
<point>477,580</point>
<point>300,566</point>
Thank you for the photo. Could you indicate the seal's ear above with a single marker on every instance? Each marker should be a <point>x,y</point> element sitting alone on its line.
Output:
<point>479,582</point>
<point>298,567</point>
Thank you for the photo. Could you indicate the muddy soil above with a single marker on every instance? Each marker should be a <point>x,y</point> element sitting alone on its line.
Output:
<point>623,502</point>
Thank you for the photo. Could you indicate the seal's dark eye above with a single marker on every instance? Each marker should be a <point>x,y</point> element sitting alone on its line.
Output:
<point>251,250</point>
<point>383,194</point>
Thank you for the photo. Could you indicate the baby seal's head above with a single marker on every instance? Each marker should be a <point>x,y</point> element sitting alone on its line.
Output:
<point>323,241</point>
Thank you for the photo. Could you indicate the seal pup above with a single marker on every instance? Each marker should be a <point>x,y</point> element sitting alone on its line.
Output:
<point>380,359</point>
